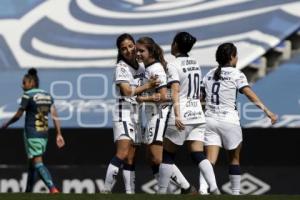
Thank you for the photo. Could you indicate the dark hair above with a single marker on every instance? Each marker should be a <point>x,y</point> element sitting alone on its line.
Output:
<point>223,56</point>
<point>154,50</point>
<point>32,75</point>
<point>185,41</point>
<point>120,39</point>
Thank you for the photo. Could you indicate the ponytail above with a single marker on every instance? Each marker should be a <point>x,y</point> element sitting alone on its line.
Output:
<point>159,55</point>
<point>217,74</point>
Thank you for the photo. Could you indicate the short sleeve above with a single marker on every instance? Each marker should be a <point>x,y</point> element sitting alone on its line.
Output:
<point>241,80</point>
<point>122,74</point>
<point>172,74</point>
<point>24,101</point>
<point>162,77</point>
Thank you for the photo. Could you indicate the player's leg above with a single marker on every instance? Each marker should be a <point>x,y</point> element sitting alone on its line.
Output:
<point>213,142</point>
<point>199,158</point>
<point>31,177</point>
<point>232,141</point>
<point>166,167</point>
<point>212,152</point>
<point>154,154</point>
<point>31,169</point>
<point>129,171</point>
<point>173,139</point>
<point>36,148</point>
<point>44,174</point>
<point>122,150</point>
<point>235,170</point>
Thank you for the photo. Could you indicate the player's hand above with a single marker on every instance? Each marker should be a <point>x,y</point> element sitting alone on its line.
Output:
<point>156,97</point>
<point>139,99</point>
<point>4,126</point>
<point>272,116</point>
<point>153,82</point>
<point>178,123</point>
<point>60,142</point>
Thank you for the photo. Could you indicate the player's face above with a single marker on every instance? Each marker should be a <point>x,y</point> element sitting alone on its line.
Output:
<point>27,84</point>
<point>127,49</point>
<point>143,54</point>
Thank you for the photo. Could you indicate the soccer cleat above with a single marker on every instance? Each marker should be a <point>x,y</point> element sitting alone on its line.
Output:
<point>191,190</point>
<point>54,190</point>
<point>203,192</point>
<point>215,192</point>
<point>105,192</point>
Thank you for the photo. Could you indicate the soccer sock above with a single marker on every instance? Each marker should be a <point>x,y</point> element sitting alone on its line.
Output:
<point>166,169</point>
<point>129,178</point>
<point>179,178</point>
<point>203,186</point>
<point>206,168</point>
<point>44,174</point>
<point>30,177</point>
<point>112,172</point>
<point>235,178</point>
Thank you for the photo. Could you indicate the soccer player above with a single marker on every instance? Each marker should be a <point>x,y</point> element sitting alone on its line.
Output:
<point>222,120</point>
<point>126,123</point>
<point>37,104</point>
<point>156,107</point>
<point>187,122</point>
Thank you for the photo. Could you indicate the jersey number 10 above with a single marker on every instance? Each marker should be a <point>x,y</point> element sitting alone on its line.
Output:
<point>196,81</point>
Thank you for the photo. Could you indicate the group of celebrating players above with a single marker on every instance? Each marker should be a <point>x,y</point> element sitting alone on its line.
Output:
<point>171,96</point>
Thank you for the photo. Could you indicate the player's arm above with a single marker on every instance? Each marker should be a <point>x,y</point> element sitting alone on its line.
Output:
<point>175,88</point>
<point>255,99</point>
<point>15,118</point>
<point>127,90</point>
<point>60,142</point>
<point>160,96</point>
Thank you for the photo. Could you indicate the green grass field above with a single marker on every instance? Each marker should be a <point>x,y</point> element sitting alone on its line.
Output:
<point>22,196</point>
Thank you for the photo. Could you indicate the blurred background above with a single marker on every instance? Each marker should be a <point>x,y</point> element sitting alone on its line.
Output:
<point>72,44</point>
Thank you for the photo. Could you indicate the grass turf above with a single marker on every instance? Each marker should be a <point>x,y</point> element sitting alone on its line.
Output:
<point>23,196</point>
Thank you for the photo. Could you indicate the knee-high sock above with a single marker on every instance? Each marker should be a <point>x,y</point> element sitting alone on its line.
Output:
<point>203,186</point>
<point>165,173</point>
<point>179,178</point>
<point>206,168</point>
<point>112,172</point>
<point>30,177</point>
<point>208,173</point>
<point>44,174</point>
<point>235,179</point>
<point>129,178</point>
<point>168,171</point>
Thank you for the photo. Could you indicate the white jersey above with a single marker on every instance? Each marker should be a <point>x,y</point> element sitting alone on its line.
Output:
<point>124,105</point>
<point>186,71</point>
<point>221,95</point>
<point>155,69</point>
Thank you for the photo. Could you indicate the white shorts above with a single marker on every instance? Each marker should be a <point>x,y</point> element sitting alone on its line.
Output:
<point>191,132</point>
<point>127,131</point>
<point>156,127</point>
<point>223,134</point>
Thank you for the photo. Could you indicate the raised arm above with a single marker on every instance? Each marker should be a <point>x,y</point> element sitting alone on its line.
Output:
<point>60,142</point>
<point>255,99</point>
